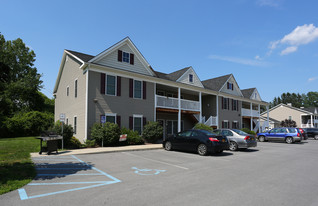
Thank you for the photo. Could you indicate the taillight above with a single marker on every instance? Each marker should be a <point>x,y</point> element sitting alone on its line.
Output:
<point>298,135</point>
<point>213,139</point>
<point>247,137</point>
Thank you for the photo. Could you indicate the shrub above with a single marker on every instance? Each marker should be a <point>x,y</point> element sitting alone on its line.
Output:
<point>203,126</point>
<point>109,133</point>
<point>29,123</point>
<point>90,143</point>
<point>67,134</point>
<point>152,132</point>
<point>248,131</point>
<point>133,138</point>
<point>73,143</point>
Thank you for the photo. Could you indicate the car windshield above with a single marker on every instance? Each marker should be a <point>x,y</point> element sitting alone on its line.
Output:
<point>208,133</point>
<point>292,130</point>
<point>239,132</point>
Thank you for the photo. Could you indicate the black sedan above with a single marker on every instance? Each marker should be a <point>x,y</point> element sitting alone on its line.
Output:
<point>202,141</point>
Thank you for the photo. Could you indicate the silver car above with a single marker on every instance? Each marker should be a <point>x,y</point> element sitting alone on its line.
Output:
<point>238,139</point>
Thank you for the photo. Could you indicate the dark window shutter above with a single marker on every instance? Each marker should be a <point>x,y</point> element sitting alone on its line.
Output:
<point>102,83</point>
<point>222,102</point>
<point>131,58</point>
<point>232,104</point>
<point>118,120</point>
<point>228,103</point>
<point>232,86</point>
<point>120,56</point>
<point>131,123</point>
<point>228,85</point>
<point>131,88</point>
<point>118,86</point>
<point>144,121</point>
<point>222,124</point>
<point>144,90</point>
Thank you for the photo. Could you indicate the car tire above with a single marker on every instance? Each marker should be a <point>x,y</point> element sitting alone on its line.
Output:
<point>289,140</point>
<point>316,137</point>
<point>233,146</point>
<point>202,149</point>
<point>261,138</point>
<point>168,146</point>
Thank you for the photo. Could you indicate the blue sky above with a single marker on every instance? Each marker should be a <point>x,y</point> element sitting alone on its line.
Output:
<point>268,44</point>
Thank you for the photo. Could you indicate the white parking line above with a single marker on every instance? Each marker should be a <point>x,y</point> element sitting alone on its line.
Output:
<point>156,161</point>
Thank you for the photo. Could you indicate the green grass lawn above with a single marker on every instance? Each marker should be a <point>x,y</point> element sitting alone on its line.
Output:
<point>16,167</point>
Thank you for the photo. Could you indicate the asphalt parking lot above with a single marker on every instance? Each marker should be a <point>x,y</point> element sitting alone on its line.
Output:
<point>270,174</point>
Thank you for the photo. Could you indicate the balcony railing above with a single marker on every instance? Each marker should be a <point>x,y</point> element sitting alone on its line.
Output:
<point>247,113</point>
<point>172,103</point>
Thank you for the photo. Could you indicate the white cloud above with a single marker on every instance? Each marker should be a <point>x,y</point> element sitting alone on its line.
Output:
<point>270,3</point>
<point>301,35</point>
<point>311,79</point>
<point>289,50</point>
<point>257,57</point>
<point>250,62</point>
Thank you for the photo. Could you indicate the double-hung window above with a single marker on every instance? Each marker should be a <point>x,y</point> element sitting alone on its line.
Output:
<point>126,57</point>
<point>138,123</point>
<point>75,125</point>
<point>190,77</point>
<point>110,117</point>
<point>110,85</point>
<point>137,89</point>
<point>75,88</point>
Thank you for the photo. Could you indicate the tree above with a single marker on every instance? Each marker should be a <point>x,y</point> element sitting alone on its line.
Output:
<point>288,123</point>
<point>297,100</point>
<point>19,80</point>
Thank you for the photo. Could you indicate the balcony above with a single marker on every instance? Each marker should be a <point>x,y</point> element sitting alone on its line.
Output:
<point>172,103</point>
<point>247,113</point>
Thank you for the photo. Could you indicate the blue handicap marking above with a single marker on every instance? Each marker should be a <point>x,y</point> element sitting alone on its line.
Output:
<point>83,184</point>
<point>147,171</point>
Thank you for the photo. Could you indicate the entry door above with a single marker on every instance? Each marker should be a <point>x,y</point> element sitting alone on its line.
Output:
<point>172,127</point>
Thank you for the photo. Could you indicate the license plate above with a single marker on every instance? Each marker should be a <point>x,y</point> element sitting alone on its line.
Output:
<point>223,140</point>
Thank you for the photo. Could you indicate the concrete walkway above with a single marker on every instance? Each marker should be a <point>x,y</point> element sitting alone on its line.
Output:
<point>103,150</point>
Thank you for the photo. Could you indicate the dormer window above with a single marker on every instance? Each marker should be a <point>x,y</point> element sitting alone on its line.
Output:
<point>125,57</point>
<point>190,78</point>
<point>230,86</point>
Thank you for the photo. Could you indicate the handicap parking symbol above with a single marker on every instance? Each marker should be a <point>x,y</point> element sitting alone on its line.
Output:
<point>147,171</point>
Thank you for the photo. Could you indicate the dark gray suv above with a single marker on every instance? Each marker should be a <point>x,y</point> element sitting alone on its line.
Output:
<point>311,132</point>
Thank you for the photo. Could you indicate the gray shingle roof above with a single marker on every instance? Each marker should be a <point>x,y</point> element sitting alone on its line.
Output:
<point>174,76</point>
<point>215,83</point>
<point>247,93</point>
<point>84,57</point>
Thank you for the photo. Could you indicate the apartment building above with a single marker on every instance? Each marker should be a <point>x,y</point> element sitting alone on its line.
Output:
<point>119,85</point>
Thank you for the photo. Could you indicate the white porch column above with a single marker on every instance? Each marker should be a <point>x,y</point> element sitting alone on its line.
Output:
<point>311,121</point>
<point>251,115</point>
<point>267,109</point>
<point>179,112</point>
<point>200,102</point>
<point>259,118</point>
<point>217,111</point>
<point>155,112</point>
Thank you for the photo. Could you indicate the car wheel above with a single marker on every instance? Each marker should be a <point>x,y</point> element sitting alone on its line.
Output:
<point>202,150</point>
<point>261,138</point>
<point>233,146</point>
<point>289,140</point>
<point>316,137</point>
<point>168,146</point>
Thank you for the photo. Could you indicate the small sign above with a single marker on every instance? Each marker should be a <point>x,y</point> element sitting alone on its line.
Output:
<point>123,137</point>
<point>62,117</point>
<point>103,119</point>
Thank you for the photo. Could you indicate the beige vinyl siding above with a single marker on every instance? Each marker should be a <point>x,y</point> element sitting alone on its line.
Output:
<point>281,113</point>
<point>111,60</point>
<point>123,105</point>
<point>236,89</point>
<point>185,78</point>
<point>69,105</point>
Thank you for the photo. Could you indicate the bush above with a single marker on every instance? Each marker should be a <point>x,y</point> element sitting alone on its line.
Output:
<point>248,131</point>
<point>67,134</point>
<point>133,138</point>
<point>109,133</point>
<point>152,132</point>
<point>203,126</point>
<point>73,143</point>
<point>29,123</point>
<point>90,143</point>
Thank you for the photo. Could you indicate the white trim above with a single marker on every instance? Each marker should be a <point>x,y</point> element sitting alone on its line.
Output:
<point>191,83</point>
<point>106,84</point>
<point>179,109</point>
<point>111,115</point>
<point>155,105</point>
<point>86,106</point>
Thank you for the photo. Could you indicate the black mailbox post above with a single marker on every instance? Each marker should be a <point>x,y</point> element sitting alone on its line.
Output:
<point>51,143</point>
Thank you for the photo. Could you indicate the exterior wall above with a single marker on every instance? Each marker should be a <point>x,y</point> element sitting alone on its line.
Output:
<point>281,113</point>
<point>209,106</point>
<point>123,105</point>
<point>111,60</point>
<point>236,89</point>
<point>225,114</point>
<point>69,105</point>
<point>185,78</point>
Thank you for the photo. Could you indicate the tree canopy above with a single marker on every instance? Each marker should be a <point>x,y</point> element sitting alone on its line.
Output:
<point>297,100</point>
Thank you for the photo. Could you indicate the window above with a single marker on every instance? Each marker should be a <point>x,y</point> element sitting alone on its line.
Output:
<point>137,89</point>
<point>185,134</point>
<point>230,86</point>
<point>225,124</point>
<point>75,125</point>
<point>111,118</point>
<point>172,126</point>
<point>67,91</point>
<point>235,125</point>
<point>138,124</point>
<point>290,118</point>
<point>110,85</point>
<point>235,105</point>
<point>67,121</point>
<point>75,88</point>
<point>125,57</point>
<point>190,78</point>
<point>225,103</point>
